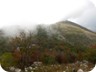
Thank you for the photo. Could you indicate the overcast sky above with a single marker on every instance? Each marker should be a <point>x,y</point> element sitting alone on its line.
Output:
<point>31,12</point>
<point>88,17</point>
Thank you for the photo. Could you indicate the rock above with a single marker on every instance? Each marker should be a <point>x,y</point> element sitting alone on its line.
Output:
<point>12,68</point>
<point>85,61</point>
<point>37,64</point>
<point>30,68</point>
<point>80,70</point>
<point>17,70</point>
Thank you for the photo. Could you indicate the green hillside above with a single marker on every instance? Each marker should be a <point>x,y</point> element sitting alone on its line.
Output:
<point>75,34</point>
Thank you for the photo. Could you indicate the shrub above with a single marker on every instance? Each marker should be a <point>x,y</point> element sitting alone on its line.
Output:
<point>7,60</point>
<point>47,59</point>
<point>91,55</point>
<point>62,58</point>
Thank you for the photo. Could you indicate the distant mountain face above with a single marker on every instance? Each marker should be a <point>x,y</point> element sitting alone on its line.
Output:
<point>74,33</point>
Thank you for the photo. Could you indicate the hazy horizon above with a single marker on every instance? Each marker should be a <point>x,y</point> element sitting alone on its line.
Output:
<point>30,13</point>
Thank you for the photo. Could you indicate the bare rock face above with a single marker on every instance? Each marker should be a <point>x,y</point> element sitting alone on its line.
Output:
<point>80,70</point>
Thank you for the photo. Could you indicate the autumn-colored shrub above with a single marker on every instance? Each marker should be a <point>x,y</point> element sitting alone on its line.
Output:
<point>62,58</point>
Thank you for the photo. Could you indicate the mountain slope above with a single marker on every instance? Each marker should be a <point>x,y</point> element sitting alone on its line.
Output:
<point>74,34</point>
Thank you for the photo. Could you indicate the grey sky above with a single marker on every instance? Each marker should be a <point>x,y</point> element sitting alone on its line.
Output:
<point>27,13</point>
<point>88,18</point>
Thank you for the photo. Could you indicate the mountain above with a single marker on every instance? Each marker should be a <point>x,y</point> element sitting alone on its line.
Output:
<point>67,31</point>
<point>74,34</point>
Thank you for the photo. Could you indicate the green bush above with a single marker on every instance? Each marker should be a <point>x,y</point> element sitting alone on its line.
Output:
<point>47,59</point>
<point>7,60</point>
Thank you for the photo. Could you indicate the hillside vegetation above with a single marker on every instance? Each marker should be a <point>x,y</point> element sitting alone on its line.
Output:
<point>60,43</point>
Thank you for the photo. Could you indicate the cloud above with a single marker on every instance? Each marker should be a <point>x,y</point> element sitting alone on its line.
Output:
<point>87,18</point>
<point>21,12</point>
<point>89,5</point>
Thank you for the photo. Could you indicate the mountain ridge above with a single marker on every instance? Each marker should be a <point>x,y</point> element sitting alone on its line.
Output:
<point>70,22</point>
<point>75,34</point>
